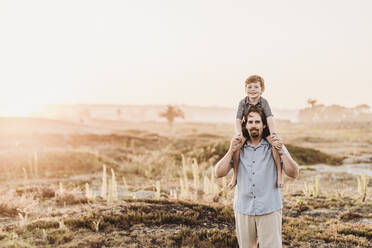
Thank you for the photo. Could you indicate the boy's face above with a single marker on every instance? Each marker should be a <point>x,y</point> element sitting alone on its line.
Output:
<point>253,90</point>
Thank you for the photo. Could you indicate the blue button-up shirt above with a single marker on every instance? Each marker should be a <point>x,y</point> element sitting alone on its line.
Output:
<point>257,192</point>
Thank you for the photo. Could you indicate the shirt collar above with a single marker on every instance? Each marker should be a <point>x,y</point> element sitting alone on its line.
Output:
<point>262,143</point>
<point>247,102</point>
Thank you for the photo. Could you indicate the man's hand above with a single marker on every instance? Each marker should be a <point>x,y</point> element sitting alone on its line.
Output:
<point>223,166</point>
<point>235,143</point>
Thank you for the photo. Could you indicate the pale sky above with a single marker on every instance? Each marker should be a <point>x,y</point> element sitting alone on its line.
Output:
<point>196,52</point>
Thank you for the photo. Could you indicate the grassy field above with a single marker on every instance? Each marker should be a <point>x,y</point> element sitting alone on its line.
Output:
<point>121,184</point>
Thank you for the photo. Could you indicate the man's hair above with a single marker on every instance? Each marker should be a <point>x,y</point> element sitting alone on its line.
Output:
<point>255,79</point>
<point>259,110</point>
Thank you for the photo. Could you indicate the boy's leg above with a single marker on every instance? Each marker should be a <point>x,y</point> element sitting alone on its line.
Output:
<point>278,167</point>
<point>236,156</point>
<point>276,157</point>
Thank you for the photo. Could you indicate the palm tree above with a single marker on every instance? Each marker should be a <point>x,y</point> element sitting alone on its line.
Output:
<point>312,102</point>
<point>172,112</point>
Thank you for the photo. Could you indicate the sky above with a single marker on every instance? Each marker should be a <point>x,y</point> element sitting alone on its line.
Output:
<point>195,52</point>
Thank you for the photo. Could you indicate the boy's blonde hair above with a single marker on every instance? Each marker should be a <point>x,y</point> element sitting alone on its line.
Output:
<point>254,79</point>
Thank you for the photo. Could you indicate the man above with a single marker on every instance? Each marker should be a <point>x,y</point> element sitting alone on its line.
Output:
<point>257,202</point>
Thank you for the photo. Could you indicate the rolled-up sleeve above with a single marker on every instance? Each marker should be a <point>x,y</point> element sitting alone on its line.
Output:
<point>285,150</point>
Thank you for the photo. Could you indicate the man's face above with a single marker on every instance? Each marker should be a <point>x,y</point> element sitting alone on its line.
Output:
<point>254,125</point>
<point>253,90</point>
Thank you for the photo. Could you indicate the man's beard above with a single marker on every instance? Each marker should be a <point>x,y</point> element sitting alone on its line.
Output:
<point>255,134</point>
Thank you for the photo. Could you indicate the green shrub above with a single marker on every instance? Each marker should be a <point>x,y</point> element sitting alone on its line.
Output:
<point>309,156</point>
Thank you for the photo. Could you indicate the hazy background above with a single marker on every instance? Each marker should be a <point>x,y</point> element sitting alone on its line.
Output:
<point>104,104</point>
<point>183,52</point>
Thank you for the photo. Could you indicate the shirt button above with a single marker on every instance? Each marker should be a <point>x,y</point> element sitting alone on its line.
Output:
<point>252,161</point>
<point>253,185</point>
<point>252,173</point>
<point>254,197</point>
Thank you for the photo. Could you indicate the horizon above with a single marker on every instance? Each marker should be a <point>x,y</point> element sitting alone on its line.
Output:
<point>82,113</point>
<point>40,108</point>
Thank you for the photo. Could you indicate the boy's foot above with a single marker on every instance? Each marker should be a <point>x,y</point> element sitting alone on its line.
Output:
<point>280,183</point>
<point>232,183</point>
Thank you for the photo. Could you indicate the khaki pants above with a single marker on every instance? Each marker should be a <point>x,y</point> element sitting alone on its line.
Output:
<point>265,230</point>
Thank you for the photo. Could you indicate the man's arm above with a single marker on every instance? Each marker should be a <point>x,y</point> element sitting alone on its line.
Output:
<point>223,166</point>
<point>290,166</point>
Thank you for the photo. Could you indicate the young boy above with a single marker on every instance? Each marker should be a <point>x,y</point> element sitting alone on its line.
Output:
<point>254,87</point>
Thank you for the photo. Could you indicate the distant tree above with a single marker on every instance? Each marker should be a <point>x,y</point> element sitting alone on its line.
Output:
<point>336,113</point>
<point>172,112</point>
<point>362,108</point>
<point>333,113</point>
<point>312,102</point>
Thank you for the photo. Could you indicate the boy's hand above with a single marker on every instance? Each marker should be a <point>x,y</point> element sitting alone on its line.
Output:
<point>235,143</point>
<point>280,149</point>
<point>277,143</point>
<point>240,135</point>
<point>280,152</point>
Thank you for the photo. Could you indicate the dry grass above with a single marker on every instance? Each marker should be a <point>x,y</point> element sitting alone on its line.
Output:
<point>191,209</point>
<point>11,204</point>
<point>188,224</point>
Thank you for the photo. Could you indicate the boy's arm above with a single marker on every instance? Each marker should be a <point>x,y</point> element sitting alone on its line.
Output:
<point>238,126</point>
<point>223,166</point>
<point>271,125</point>
<point>273,133</point>
<point>269,116</point>
<point>239,117</point>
